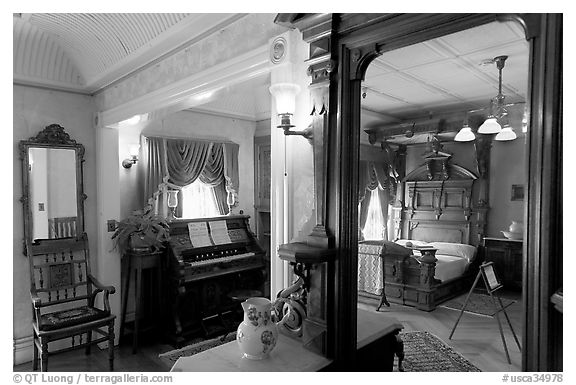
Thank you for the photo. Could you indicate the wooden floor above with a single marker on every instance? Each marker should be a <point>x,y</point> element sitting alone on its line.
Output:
<point>477,338</point>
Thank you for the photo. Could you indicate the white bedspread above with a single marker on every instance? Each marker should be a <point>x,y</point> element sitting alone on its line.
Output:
<point>449,266</point>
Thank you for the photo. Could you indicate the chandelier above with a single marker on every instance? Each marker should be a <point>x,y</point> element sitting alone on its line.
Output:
<point>497,121</point>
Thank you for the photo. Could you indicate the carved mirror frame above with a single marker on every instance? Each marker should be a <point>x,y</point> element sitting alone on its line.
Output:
<point>51,137</point>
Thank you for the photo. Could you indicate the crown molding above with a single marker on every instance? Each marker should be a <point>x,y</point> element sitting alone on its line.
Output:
<point>188,92</point>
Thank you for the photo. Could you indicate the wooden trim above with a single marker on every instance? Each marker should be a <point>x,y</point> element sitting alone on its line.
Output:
<point>354,49</point>
<point>542,343</point>
<point>344,193</point>
<point>542,256</point>
<point>251,64</point>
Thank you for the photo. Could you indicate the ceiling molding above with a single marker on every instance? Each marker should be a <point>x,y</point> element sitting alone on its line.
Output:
<point>194,28</point>
<point>28,81</point>
<point>188,92</point>
<point>227,114</point>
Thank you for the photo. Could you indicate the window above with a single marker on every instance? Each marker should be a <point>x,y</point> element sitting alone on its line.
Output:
<point>198,201</point>
<point>375,227</point>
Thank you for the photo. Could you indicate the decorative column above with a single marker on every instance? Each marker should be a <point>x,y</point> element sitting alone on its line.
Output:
<point>427,280</point>
<point>312,257</point>
<point>284,58</point>
<point>482,147</point>
<point>399,203</point>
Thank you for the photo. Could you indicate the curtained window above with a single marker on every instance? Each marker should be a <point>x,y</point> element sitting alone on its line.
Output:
<point>376,189</point>
<point>198,200</point>
<point>175,164</point>
<point>375,226</point>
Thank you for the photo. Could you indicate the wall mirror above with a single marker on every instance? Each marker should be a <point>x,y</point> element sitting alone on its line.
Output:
<point>52,185</point>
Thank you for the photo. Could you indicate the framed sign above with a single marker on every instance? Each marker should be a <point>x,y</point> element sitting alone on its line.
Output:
<point>490,277</point>
<point>517,192</point>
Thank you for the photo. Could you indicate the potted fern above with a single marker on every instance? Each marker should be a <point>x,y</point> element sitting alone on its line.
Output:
<point>142,231</point>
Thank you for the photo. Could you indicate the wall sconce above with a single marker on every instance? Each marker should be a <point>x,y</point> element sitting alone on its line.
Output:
<point>133,151</point>
<point>285,95</point>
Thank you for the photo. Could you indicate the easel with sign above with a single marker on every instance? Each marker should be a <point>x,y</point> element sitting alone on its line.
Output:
<point>492,284</point>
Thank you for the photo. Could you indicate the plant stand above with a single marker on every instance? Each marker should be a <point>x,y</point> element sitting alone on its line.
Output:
<point>136,263</point>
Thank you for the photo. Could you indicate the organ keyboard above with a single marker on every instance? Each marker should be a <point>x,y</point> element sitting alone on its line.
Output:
<point>207,258</point>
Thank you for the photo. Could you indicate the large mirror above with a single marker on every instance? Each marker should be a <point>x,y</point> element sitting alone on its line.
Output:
<point>52,193</point>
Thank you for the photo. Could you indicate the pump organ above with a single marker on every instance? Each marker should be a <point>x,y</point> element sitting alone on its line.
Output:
<point>198,279</point>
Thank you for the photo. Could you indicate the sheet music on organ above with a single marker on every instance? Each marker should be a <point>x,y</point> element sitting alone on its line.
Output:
<point>219,232</point>
<point>199,236</point>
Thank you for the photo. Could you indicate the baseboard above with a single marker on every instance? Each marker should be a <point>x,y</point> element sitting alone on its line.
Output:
<point>23,350</point>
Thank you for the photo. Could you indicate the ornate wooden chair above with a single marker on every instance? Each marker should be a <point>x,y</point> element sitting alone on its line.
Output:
<point>63,299</point>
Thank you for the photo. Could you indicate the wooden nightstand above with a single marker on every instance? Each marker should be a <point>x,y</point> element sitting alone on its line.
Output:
<point>507,257</point>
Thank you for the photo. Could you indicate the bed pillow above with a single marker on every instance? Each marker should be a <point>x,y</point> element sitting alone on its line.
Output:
<point>455,249</point>
<point>403,242</point>
<point>389,247</point>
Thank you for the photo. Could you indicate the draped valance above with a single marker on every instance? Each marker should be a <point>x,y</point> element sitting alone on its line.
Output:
<point>180,162</point>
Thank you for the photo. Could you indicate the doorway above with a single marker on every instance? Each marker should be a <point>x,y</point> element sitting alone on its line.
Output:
<point>422,95</point>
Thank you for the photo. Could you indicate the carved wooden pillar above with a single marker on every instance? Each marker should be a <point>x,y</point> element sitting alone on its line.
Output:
<point>427,269</point>
<point>316,253</point>
<point>482,146</point>
<point>319,91</point>
<point>399,203</point>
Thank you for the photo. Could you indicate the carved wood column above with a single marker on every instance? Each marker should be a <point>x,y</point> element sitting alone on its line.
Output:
<point>316,252</point>
<point>482,146</point>
<point>399,203</point>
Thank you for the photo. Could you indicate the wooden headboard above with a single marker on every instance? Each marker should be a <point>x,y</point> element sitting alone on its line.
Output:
<point>437,204</point>
<point>438,231</point>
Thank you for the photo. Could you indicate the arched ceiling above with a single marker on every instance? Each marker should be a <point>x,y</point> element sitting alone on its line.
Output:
<point>87,51</point>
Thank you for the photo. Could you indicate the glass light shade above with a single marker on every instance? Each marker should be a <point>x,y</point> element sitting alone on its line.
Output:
<point>230,199</point>
<point>133,150</point>
<point>490,126</point>
<point>465,135</point>
<point>172,198</point>
<point>506,134</point>
<point>285,95</point>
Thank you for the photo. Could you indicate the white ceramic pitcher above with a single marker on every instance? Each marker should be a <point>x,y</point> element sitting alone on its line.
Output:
<point>516,227</point>
<point>258,333</point>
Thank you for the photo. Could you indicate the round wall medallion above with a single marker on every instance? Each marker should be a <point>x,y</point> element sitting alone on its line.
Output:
<point>278,50</point>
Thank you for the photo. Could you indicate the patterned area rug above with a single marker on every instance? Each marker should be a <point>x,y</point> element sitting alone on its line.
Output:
<point>478,304</point>
<point>169,358</point>
<point>424,352</point>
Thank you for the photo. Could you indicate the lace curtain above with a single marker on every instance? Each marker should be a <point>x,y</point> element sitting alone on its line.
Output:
<point>178,162</point>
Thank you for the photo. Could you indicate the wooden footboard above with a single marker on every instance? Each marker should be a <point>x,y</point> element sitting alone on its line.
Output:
<point>411,282</point>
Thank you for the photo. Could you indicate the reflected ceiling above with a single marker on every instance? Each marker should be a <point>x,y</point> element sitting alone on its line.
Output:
<point>447,74</point>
